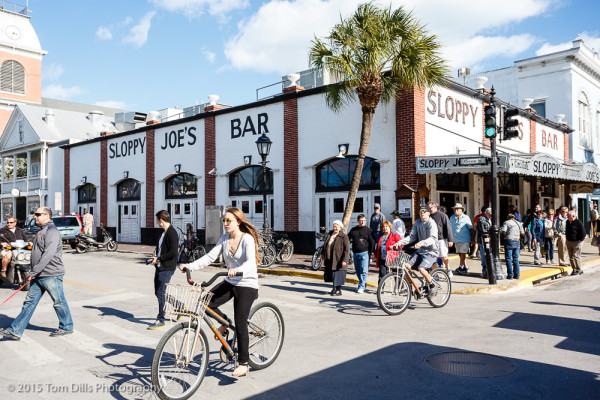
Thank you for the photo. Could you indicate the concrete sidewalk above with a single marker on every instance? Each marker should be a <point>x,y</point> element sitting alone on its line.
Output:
<point>299,265</point>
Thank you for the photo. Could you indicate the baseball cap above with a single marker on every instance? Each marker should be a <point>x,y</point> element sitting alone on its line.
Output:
<point>395,212</point>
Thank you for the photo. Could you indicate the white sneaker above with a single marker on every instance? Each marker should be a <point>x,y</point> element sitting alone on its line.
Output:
<point>450,274</point>
<point>360,291</point>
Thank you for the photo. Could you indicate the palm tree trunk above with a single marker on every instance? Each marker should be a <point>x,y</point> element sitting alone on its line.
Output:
<point>365,137</point>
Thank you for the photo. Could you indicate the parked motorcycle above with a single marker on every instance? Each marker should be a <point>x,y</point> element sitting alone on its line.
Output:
<point>89,242</point>
<point>20,264</point>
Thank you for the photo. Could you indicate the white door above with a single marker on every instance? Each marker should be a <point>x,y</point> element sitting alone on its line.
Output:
<point>91,207</point>
<point>183,212</point>
<point>129,220</point>
<point>252,207</point>
<point>331,206</point>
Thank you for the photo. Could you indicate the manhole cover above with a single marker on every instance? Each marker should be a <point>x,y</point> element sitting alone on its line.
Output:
<point>467,363</point>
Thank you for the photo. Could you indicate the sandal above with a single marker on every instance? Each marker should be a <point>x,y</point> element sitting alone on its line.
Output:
<point>242,370</point>
<point>224,332</point>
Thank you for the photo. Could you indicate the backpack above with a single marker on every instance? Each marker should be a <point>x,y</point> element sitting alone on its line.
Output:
<point>548,229</point>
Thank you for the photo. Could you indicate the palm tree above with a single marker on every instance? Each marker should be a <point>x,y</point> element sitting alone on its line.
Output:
<point>374,53</point>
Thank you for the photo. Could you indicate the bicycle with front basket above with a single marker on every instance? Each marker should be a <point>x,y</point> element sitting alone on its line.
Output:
<point>396,289</point>
<point>181,357</point>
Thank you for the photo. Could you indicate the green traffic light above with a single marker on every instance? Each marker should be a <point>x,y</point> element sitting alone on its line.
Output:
<point>490,132</point>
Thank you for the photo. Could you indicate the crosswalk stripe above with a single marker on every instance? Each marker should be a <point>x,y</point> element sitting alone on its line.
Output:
<point>85,343</point>
<point>143,338</point>
<point>32,352</point>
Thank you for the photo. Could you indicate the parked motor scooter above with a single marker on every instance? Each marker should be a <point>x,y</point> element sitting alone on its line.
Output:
<point>89,242</point>
<point>20,264</point>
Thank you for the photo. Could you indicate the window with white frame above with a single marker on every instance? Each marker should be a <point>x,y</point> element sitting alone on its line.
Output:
<point>598,128</point>
<point>21,132</point>
<point>12,77</point>
<point>585,134</point>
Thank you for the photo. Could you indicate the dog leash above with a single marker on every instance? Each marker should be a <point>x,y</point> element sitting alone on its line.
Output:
<point>28,279</point>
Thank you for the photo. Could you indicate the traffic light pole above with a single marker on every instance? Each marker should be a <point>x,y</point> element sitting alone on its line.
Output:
<point>495,266</point>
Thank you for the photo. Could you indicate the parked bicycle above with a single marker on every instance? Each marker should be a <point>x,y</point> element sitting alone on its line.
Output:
<point>274,246</point>
<point>190,249</point>
<point>397,287</point>
<point>317,261</point>
<point>181,357</point>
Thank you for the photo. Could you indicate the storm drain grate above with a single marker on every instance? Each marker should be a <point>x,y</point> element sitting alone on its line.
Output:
<point>468,363</point>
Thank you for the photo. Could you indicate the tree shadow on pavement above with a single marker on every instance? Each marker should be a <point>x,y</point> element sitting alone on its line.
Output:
<point>399,372</point>
<point>581,335</point>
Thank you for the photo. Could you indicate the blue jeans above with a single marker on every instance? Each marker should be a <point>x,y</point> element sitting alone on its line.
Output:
<point>54,286</point>
<point>549,246</point>
<point>482,256</point>
<point>161,278</point>
<point>512,248</point>
<point>361,263</point>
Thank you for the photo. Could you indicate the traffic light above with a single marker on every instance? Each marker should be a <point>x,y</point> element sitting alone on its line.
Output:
<point>490,121</point>
<point>510,122</point>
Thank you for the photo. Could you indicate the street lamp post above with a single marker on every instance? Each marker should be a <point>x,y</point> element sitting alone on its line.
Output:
<point>264,147</point>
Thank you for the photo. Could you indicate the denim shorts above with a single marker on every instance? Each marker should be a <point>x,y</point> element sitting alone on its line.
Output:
<point>418,260</point>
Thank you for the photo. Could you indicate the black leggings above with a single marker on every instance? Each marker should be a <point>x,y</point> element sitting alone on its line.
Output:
<point>243,297</point>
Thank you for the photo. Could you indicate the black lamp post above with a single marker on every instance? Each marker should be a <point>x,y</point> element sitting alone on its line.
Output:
<point>264,147</point>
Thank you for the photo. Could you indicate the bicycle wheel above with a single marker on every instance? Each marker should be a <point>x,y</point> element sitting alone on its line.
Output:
<point>179,364</point>
<point>266,330</point>
<point>351,266</point>
<point>198,252</point>
<point>317,261</point>
<point>444,288</point>
<point>393,294</point>
<point>287,250</point>
<point>267,255</point>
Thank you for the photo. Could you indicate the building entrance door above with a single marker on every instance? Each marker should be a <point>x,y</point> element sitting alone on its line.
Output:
<point>449,200</point>
<point>252,207</point>
<point>183,212</point>
<point>331,206</point>
<point>128,229</point>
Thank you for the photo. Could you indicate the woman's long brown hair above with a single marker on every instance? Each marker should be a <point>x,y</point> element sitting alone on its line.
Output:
<point>246,227</point>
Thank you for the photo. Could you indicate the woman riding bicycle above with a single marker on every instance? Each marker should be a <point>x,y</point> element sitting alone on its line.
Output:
<point>239,249</point>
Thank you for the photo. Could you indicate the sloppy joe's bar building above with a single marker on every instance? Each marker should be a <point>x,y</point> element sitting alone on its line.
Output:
<point>424,145</point>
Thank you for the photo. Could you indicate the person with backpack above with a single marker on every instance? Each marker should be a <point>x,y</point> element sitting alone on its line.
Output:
<point>537,234</point>
<point>549,232</point>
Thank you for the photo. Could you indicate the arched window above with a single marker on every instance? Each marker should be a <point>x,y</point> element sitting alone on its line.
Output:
<point>181,186</point>
<point>585,134</point>
<point>129,189</point>
<point>12,77</point>
<point>335,175</point>
<point>87,193</point>
<point>249,180</point>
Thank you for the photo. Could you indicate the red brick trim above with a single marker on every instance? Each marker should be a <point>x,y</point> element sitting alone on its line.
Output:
<point>103,183</point>
<point>485,142</point>
<point>566,140</point>
<point>209,160</point>
<point>150,183</point>
<point>290,164</point>
<point>532,136</point>
<point>410,139</point>
<point>67,183</point>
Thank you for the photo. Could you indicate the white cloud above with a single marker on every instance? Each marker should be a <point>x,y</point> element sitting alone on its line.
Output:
<point>112,104</point>
<point>591,41</point>
<point>103,33</point>
<point>195,8</point>
<point>60,92</point>
<point>277,37</point>
<point>209,55</point>
<point>52,72</point>
<point>138,35</point>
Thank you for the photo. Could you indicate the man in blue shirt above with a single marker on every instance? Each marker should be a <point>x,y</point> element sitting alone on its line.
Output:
<point>537,235</point>
<point>461,231</point>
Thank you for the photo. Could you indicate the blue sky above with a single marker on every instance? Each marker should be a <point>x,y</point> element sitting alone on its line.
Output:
<point>147,55</point>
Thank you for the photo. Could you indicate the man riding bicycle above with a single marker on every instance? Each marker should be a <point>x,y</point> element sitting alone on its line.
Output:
<point>425,233</point>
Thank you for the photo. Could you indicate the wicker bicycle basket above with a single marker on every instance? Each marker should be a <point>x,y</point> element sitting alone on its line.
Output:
<point>186,300</point>
<point>395,259</point>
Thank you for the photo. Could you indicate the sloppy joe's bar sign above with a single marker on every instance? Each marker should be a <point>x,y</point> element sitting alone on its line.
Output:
<point>453,111</point>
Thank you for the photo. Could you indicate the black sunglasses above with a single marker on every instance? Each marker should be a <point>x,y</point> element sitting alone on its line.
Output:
<point>38,214</point>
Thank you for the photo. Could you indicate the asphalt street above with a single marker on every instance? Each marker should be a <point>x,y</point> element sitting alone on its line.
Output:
<point>546,338</point>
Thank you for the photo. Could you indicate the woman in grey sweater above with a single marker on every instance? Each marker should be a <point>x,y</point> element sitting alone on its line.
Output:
<point>512,230</point>
<point>239,249</point>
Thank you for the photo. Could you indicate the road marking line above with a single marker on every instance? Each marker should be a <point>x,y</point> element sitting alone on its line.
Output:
<point>32,352</point>
<point>87,286</point>
<point>127,335</point>
<point>87,344</point>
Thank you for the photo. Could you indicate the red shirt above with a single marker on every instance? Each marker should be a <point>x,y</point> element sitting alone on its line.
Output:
<point>392,239</point>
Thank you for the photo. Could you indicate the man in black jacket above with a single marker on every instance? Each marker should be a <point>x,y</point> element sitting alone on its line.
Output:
<point>10,233</point>
<point>166,263</point>
<point>575,233</point>
<point>445,236</point>
<point>362,245</point>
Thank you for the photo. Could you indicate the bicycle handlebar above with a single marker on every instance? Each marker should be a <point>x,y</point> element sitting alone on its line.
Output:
<point>211,280</point>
